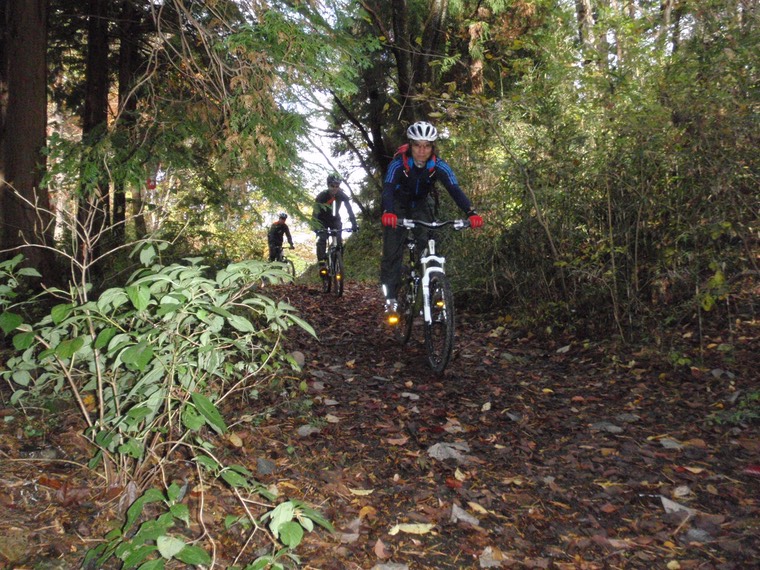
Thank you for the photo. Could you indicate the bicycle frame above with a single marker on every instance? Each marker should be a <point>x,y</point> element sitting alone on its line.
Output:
<point>429,256</point>
<point>332,275</point>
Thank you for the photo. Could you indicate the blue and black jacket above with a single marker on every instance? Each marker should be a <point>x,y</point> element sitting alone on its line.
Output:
<point>411,185</point>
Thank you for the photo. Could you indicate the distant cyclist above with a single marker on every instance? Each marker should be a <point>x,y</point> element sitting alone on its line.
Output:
<point>326,214</point>
<point>408,191</point>
<point>277,231</point>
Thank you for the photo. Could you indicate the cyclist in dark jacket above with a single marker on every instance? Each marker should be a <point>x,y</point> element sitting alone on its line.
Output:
<point>275,235</point>
<point>407,193</point>
<point>327,214</point>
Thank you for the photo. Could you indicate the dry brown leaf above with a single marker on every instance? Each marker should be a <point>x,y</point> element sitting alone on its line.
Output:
<point>380,551</point>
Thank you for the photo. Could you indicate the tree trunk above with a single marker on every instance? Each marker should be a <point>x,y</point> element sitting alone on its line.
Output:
<point>25,217</point>
<point>94,206</point>
<point>585,14</point>
<point>129,33</point>
<point>402,51</point>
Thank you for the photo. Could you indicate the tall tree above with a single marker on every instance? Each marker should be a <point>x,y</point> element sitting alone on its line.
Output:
<point>24,203</point>
<point>94,207</point>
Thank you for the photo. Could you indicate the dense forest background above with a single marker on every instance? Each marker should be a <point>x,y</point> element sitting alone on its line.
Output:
<point>611,146</point>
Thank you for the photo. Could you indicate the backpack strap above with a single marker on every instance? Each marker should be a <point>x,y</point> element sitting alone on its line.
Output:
<point>403,150</point>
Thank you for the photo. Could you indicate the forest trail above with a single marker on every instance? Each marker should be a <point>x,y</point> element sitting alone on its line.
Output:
<point>526,453</point>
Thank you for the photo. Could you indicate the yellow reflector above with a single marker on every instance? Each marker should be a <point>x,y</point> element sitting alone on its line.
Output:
<point>339,277</point>
<point>392,319</point>
<point>439,304</point>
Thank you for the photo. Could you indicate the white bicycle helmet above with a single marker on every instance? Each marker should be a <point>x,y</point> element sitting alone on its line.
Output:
<point>283,215</point>
<point>422,131</point>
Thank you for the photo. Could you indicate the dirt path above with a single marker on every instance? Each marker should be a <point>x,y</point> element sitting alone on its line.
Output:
<point>561,454</point>
<point>532,454</point>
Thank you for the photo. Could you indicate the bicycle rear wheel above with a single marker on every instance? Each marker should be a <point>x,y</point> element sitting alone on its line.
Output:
<point>439,334</point>
<point>405,299</point>
<point>336,275</point>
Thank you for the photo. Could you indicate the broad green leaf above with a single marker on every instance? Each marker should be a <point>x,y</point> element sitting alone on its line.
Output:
<point>157,564</point>
<point>147,254</point>
<point>169,546</point>
<point>138,555</point>
<point>67,348</point>
<point>138,413</point>
<point>208,462</point>
<point>234,479</point>
<point>104,337</point>
<point>194,555</point>
<point>9,321</point>
<point>291,534</point>
<point>22,341</point>
<point>61,312</point>
<point>241,323</point>
<point>281,514</point>
<point>135,510</point>
<point>131,448</point>
<point>181,512</point>
<point>138,355</point>
<point>191,419</point>
<point>208,410</point>
<point>139,295</point>
<point>21,377</point>
<point>29,272</point>
<point>316,516</point>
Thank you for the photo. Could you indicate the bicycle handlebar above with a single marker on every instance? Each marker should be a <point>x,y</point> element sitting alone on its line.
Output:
<point>410,223</point>
<point>333,231</point>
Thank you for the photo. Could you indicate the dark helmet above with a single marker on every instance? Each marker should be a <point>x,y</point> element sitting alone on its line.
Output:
<point>333,179</point>
<point>422,131</point>
<point>283,216</point>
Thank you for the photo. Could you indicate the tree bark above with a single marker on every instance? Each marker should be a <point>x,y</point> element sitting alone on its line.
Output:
<point>94,206</point>
<point>25,217</point>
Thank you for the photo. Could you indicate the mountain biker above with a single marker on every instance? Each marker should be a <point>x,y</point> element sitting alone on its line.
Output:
<point>408,192</point>
<point>327,214</point>
<point>275,236</point>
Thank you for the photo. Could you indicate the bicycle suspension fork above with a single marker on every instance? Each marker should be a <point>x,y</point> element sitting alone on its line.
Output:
<point>429,257</point>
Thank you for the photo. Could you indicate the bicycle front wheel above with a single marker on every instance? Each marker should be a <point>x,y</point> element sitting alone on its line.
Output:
<point>439,333</point>
<point>290,268</point>
<point>326,279</point>
<point>337,274</point>
<point>405,298</point>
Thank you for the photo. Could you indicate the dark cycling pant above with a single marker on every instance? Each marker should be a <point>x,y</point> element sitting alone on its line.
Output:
<point>322,242</point>
<point>274,251</point>
<point>395,239</point>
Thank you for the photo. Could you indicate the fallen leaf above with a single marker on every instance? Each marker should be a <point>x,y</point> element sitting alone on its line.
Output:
<point>367,512</point>
<point>397,440</point>
<point>477,508</point>
<point>380,551</point>
<point>362,492</point>
<point>673,507</point>
<point>416,528</point>
<point>459,514</point>
<point>331,419</point>
<point>235,440</point>
<point>452,483</point>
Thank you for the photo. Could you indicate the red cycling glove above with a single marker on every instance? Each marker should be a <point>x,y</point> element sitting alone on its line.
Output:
<point>475,221</point>
<point>389,220</point>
